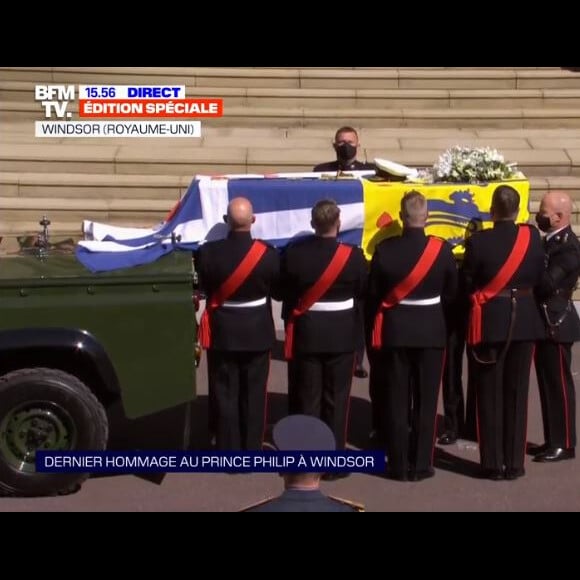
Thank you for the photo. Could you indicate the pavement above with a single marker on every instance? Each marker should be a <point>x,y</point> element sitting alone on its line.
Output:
<point>456,486</point>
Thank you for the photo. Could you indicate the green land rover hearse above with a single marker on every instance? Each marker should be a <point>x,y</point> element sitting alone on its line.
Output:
<point>91,361</point>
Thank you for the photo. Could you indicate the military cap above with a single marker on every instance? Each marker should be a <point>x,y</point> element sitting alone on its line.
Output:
<point>303,433</point>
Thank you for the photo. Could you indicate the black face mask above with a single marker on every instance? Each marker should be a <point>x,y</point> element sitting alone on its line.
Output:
<point>543,222</point>
<point>345,152</point>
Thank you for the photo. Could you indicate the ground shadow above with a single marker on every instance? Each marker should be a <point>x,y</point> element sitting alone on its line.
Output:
<point>360,420</point>
<point>448,462</point>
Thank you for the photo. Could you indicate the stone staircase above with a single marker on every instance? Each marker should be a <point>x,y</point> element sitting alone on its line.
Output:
<point>278,119</point>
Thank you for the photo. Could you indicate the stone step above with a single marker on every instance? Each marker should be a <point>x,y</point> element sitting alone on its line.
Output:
<point>23,92</point>
<point>127,212</point>
<point>168,188</point>
<point>70,186</point>
<point>159,160</point>
<point>307,78</point>
<point>332,117</point>
<point>12,131</point>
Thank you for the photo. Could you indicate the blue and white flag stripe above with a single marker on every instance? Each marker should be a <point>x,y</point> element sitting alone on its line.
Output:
<point>282,208</point>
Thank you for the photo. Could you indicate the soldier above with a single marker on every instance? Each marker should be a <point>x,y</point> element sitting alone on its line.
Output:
<point>502,266</point>
<point>302,490</point>
<point>239,276</point>
<point>411,275</point>
<point>322,280</point>
<point>554,353</point>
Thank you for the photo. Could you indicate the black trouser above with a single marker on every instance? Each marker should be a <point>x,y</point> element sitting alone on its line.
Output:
<point>502,404</point>
<point>453,400</point>
<point>239,384</point>
<point>293,402</point>
<point>409,380</point>
<point>374,390</point>
<point>321,386</point>
<point>557,393</point>
<point>360,346</point>
<point>470,426</point>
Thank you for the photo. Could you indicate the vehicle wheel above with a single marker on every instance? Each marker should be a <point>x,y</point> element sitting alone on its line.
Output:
<point>45,409</point>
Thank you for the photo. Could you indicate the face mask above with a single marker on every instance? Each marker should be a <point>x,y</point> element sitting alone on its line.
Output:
<point>345,152</point>
<point>544,223</point>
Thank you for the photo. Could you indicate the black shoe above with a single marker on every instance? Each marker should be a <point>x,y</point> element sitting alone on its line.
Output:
<point>511,474</point>
<point>536,449</point>
<point>555,454</point>
<point>421,474</point>
<point>334,476</point>
<point>361,373</point>
<point>448,438</point>
<point>493,474</point>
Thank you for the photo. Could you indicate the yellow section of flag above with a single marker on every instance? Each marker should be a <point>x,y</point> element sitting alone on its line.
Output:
<point>455,210</point>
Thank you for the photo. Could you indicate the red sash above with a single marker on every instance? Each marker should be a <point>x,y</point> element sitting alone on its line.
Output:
<point>229,287</point>
<point>406,286</point>
<point>496,285</point>
<point>315,293</point>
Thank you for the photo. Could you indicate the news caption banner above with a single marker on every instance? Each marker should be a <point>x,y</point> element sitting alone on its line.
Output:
<point>146,111</point>
<point>127,462</point>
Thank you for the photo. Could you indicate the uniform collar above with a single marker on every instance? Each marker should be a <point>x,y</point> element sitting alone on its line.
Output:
<point>554,234</point>
<point>301,494</point>
<point>504,224</point>
<point>239,235</point>
<point>414,232</point>
<point>326,239</point>
<point>349,166</point>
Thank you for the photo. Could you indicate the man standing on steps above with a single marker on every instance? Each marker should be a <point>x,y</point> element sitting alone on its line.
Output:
<point>346,146</point>
<point>239,276</point>
<point>554,354</point>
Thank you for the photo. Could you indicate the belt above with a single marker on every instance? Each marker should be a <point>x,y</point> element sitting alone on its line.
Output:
<point>515,293</point>
<point>333,306</point>
<point>424,302</point>
<point>252,304</point>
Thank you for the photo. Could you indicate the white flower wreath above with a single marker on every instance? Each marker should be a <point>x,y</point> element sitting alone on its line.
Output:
<point>467,165</point>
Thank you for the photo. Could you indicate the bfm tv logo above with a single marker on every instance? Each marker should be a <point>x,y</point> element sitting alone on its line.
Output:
<point>55,99</point>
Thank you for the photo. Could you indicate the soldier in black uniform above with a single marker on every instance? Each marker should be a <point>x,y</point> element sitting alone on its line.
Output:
<point>239,276</point>
<point>346,145</point>
<point>323,338</point>
<point>554,353</point>
<point>302,490</point>
<point>502,266</point>
<point>411,275</point>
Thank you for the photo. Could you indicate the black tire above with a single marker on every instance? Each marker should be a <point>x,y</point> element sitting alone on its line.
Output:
<point>45,409</point>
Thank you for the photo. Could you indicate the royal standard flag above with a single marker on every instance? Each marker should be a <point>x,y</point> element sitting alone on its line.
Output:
<point>282,205</point>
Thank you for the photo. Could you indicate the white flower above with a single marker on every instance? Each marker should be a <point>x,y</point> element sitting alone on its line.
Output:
<point>467,165</point>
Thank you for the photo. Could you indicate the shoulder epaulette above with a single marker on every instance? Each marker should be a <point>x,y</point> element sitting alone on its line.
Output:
<point>260,503</point>
<point>359,507</point>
